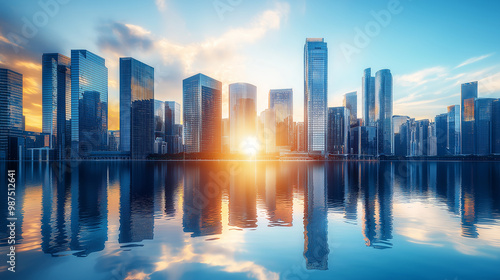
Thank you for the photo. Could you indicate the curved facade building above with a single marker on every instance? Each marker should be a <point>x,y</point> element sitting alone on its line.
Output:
<point>242,115</point>
<point>368,97</point>
<point>383,111</point>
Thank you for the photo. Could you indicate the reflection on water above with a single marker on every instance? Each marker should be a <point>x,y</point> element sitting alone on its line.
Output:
<point>226,217</point>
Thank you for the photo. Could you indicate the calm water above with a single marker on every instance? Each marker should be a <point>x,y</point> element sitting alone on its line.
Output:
<point>247,220</point>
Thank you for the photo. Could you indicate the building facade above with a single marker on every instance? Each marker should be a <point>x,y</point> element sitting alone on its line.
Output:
<point>159,119</point>
<point>468,95</point>
<point>56,102</point>
<point>202,114</point>
<point>315,94</point>
<point>399,139</point>
<point>11,113</point>
<point>441,131</point>
<point>89,103</point>
<point>483,111</point>
<point>136,108</point>
<point>368,97</point>
<point>351,103</point>
<point>383,110</point>
<point>363,141</point>
<point>338,130</point>
<point>281,101</point>
<point>242,116</point>
<point>173,131</point>
<point>453,129</point>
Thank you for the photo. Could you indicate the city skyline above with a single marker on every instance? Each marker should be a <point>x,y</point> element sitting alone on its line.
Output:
<point>430,80</point>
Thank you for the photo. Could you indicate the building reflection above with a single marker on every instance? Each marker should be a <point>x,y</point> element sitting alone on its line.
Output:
<point>243,195</point>
<point>316,248</point>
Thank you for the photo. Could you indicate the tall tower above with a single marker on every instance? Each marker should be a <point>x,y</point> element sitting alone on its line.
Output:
<point>315,94</point>
<point>281,100</point>
<point>202,114</point>
<point>56,102</point>
<point>383,111</point>
<point>11,111</point>
<point>469,94</point>
<point>242,116</point>
<point>351,103</point>
<point>136,108</point>
<point>89,103</point>
<point>368,96</point>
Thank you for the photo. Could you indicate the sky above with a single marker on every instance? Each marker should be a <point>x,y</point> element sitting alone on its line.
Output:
<point>431,47</point>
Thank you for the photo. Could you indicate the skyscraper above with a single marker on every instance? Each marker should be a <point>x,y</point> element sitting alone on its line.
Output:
<point>281,100</point>
<point>441,134</point>
<point>11,112</point>
<point>202,114</point>
<point>453,129</point>
<point>242,116</point>
<point>315,94</point>
<point>338,130</point>
<point>469,93</point>
<point>483,109</point>
<point>399,140</point>
<point>159,122</point>
<point>56,102</point>
<point>368,96</point>
<point>89,103</point>
<point>136,108</point>
<point>363,141</point>
<point>267,131</point>
<point>351,103</point>
<point>495,145</point>
<point>173,135</point>
<point>383,110</point>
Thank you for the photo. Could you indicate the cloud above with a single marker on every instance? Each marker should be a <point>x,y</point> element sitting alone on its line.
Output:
<point>473,60</point>
<point>116,36</point>
<point>422,77</point>
<point>161,4</point>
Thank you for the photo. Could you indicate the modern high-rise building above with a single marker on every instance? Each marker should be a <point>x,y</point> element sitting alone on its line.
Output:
<point>89,103</point>
<point>301,140</point>
<point>368,97</point>
<point>421,137</point>
<point>495,145</point>
<point>114,140</point>
<point>338,130</point>
<point>453,130</point>
<point>383,111</point>
<point>469,94</point>
<point>242,116</point>
<point>11,113</point>
<point>441,123</point>
<point>136,108</point>
<point>173,135</point>
<point>351,103</point>
<point>159,119</point>
<point>483,109</point>
<point>281,101</point>
<point>56,102</point>
<point>432,139</point>
<point>399,140</point>
<point>202,114</point>
<point>315,94</point>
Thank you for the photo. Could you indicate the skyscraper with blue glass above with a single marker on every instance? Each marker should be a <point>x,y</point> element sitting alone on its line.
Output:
<point>338,130</point>
<point>173,135</point>
<point>351,103</point>
<point>315,94</point>
<point>483,113</point>
<point>11,112</point>
<point>469,94</point>
<point>136,108</point>
<point>202,114</point>
<point>89,103</point>
<point>453,129</point>
<point>368,97</point>
<point>56,102</point>
<point>383,111</point>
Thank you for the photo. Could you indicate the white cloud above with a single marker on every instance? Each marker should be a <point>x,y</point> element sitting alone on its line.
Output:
<point>473,60</point>
<point>422,77</point>
<point>161,4</point>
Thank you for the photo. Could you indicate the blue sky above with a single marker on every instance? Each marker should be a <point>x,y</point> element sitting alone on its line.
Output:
<point>431,47</point>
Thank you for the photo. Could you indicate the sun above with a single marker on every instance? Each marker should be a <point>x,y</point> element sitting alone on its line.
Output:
<point>250,146</point>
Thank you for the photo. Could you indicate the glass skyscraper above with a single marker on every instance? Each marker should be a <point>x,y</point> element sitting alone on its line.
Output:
<point>441,123</point>
<point>159,121</point>
<point>351,103</point>
<point>202,114</point>
<point>281,100</point>
<point>56,102</point>
<point>338,130</point>
<point>383,110</point>
<point>399,139</point>
<point>136,108</point>
<point>483,109</point>
<point>469,94</point>
<point>315,94</point>
<point>453,129</point>
<point>173,135</point>
<point>11,112</point>
<point>89,103</point>
<point>495,145</point>
<point>368,96</point>
<point>363,141</point>
<point>242,116</point>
